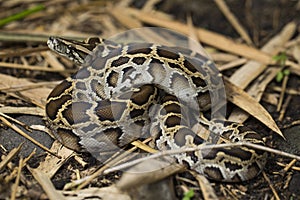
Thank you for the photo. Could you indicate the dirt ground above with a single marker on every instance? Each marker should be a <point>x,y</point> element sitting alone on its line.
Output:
<point>29,71</point>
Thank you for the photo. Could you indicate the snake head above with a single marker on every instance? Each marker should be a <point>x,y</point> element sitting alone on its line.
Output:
<point>75,51</point>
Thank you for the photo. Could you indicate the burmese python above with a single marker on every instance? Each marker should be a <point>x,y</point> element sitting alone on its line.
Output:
<point>125,92</point>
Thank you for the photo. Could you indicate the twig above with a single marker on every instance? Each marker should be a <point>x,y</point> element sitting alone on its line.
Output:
<point>16,184</point>
<point>212,146</point>
<point>294,123</point>
<point>271,186</point>
<point>32,67</point>
<point>18,130</point>
<point>285,105</point>
<point>233,20</point>
<point>10,156</point>
<point>284,83</point>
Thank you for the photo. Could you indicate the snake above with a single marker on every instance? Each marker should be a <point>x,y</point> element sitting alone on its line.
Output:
<point>124,92</point>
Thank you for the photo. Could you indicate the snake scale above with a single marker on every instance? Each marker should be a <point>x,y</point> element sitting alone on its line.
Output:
<point>124,92</point>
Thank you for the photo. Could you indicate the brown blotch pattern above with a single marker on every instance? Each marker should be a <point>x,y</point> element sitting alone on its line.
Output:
<point>167,53</point>
<point>120,61</point>
<point>111,111</point>
<point>137,48</point>
<point>60,89</point>
<point>139,60</point>
<point>142,96</point>
<point>112,78</point>
<point>53,106</point>
<point>213,173</point>
<point>172,121</point>
<point>98,88</point>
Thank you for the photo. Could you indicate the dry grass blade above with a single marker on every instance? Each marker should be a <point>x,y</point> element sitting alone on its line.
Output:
<point>127,20</point>
<point>46,184</point>
<point>246,102</point>
<point>210,146</point>
<point>232,64</point>
<point>283,89</point>
<point>208,37</point>
<point>10,156</point>
<point>112,162</point>
<point>36,96</point>
<point>52,164</point>
<point>271,186</point>
<point>255,91</point>
<point>284,107</point>
<point>17,181</point>
<point>104,193</point>
<point>25,67</point>
<point>253,68</point>
<point>207,190</point>
<point>22,52</point>
<point>22,110</point>
<point>147,172</point>
<point>18,130</point>
<point>233,20</point>
<point>205,36</point>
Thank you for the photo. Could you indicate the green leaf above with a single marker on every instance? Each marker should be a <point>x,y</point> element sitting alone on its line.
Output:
<point>279,76</point>
<point>280,58</point>
<point>286,72</point>
<point>21,15</point>
<point>188,195</point>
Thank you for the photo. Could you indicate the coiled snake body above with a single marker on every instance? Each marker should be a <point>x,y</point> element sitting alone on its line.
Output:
<point>125,92</point>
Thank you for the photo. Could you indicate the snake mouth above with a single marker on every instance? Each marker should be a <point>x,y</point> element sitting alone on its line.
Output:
<point>73,50</point>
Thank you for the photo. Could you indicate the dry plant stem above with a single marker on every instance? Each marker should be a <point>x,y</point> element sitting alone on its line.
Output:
<point>230,194</point>
<point>109,163</point>
<point>192,37</point>
<point>31,67</point>
<point>283,88</point>
<point>254,67</point>
<point>21,110</point>
<point>207,190</point>
<point>21,37</point>
<point>292,167</point>
<point>16,184</point>
<point>22,52</point>
<point>211,146</point>
<point>233,64</point>
<point>22,133</point>
<point>10,156</point>
<point>288,166</point>
<point>294,123</point>
<point>233,20</point>
<point>288,91</point>
<point>19,88</point>
<point>205,36</point>
<point>284,107</point>
<point>14,171</point>
<point>271,186</point>
<point>15,121</point>
<point>240,98</point>
<point>149,5</point>
<point>46,184</point>
<point>36,96</point>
